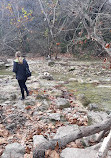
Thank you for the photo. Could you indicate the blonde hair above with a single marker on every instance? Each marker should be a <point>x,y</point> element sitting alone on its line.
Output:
<point>18,55</point>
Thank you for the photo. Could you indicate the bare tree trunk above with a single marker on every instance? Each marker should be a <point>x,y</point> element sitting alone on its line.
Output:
<point>39,151</point>
<point>105,147</point>
<point>57,51</point>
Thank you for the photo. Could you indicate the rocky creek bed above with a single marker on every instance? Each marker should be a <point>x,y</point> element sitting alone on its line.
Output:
<point>65,94</point>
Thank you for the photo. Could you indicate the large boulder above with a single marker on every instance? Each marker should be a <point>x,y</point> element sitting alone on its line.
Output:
<point>97,116</point>
<point>65,130</point>
<point>14,150</point>
<point>62,103</point>
<point>38,139</point>
<point>76,153</point>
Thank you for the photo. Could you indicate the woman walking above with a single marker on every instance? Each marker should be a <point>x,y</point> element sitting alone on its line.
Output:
<point>19,67</point>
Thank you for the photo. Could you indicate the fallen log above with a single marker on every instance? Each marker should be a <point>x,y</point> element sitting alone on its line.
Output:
<point>105,147</point>
<point>101,136</point>
<point>39,151</point>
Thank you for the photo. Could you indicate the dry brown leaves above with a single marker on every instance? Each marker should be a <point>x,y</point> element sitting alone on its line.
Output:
<point>1,152</point>
<point>72,145</point>
<point>3,141</point>
<point>35,126</point>
<point>53,153</point>
<point>3,135</point>
<point>28,155</point>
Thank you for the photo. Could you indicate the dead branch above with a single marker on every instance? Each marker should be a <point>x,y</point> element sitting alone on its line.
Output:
<point>39,151</point>
<point>104,147</point>
<point>101,136</point>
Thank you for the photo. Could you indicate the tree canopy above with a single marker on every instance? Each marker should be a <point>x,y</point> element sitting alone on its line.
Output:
<point>49,26</point>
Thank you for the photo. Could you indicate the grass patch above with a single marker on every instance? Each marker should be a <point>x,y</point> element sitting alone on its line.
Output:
<point>5,72</point>
<point>101,96</point>
<point>98,95</point>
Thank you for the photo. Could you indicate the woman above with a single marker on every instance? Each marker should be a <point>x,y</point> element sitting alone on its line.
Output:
<point>19,67</point>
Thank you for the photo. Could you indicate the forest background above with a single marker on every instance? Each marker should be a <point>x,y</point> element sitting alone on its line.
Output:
<point>46,27</point>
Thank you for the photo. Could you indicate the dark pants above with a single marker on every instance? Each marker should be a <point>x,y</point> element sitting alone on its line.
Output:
<point>23,87</point>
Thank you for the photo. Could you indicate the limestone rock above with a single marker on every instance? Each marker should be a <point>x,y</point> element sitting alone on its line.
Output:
<point>65,130</point>
<point>7,65</point>
<point>56,92</point>
<point>62,103</point>
<point>38,139</point>
<point>73,80</point>
<point>14,150</point>
<point>80,80</point>
<point>92,138</point>
<point>88,79</point>
<point>13,97</point>
<point>46,75</point>
<point>29,101</point>
<point>97,117</point>
<point>34,85</point>
<point>93,106</point>
<point>44,106</point>
<point>72,68</point>
<point>42,97</point>
<point>54,116</point>
<point>47,84</point>
<point>96,82</point>
<point>76,153</point>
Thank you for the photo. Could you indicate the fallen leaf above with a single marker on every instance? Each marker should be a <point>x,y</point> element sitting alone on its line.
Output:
<point>4,133</point>
<point>38,104</point>
<point>85,123</point>
<point>1,126</point>
<point>107,45</point>
<point>78,143</point>
<point>1,133</point>
<point>28,150</point>
<point>39,130</point>
<point>47,153</point>
<point>28,107</point>
<point>54,154</point>
<point>57,147</point>
<point>72,145</point>
<point>73,121</point>
<point>1,152</point>
<point>3,141</point>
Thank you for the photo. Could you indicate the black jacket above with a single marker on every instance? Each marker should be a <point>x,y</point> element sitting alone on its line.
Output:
<point>20,69</point>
